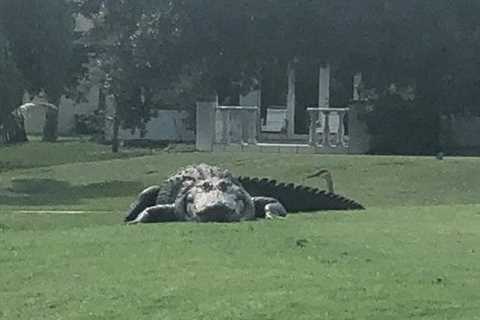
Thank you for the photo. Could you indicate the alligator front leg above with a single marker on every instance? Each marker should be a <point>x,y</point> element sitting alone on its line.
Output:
<point>268,208</point>
<point>146,198</point>
<point>158,213</point>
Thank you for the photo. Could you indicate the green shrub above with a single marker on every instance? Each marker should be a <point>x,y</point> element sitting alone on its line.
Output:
<point>400,126</point>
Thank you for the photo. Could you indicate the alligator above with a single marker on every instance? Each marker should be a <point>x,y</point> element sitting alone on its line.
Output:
<point>204,193</point>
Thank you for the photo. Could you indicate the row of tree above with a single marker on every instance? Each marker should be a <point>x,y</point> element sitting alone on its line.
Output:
<point>148,50</point>
<point>37,41</point>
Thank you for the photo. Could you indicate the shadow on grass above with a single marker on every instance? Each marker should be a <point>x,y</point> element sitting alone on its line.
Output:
<point>35,192</point>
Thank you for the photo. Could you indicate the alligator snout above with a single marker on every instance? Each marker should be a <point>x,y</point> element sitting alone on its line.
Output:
<point>217,200</point>
<point>217,212</point>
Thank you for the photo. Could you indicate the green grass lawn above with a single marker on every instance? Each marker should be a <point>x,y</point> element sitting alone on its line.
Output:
<point>68,150</point>
<point>413,254</point>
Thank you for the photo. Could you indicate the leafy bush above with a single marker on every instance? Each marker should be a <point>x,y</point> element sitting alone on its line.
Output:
<point>90,123</point>
<point>12,129</point>
<point>400,126</point>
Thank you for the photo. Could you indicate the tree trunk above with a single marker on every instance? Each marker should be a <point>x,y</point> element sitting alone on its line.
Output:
<point>116,128</point>
<point>21,133</point>
<point>115,140</point>
<point>50,129</point>
<point>101,109</point>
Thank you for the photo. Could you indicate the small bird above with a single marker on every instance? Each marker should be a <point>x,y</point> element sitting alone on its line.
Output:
<point>326,175</point>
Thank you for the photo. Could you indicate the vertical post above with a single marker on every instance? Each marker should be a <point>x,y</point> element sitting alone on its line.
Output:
<point>225,114</point>
<point>324,87</point>
<point>326,129</point>
<point>101,109</point>
<point>115,139</point>
<point>50,129</point>
<point>357,80</point>
<point>237,125</point>
<point>359,137</point>
<point>244,127</point>
<point>205,135</point>
<point>116,126</point>
<point>313,135</point>
<point>252,126</point>
<point>341,128</point>
<point>253,98</point>
<point>291,100</point>
<point>323,91</point>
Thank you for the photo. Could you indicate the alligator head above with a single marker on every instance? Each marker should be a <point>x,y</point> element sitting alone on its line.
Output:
<point>214,199</point>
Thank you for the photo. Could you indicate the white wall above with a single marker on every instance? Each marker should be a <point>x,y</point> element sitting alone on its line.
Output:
<point>34,120</point>
<point>168,125</point>
<point>68,108</point>
<point>171,125</point>
<point>236,130</point>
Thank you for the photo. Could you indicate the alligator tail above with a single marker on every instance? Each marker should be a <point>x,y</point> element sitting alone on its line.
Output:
<point>298,198</point>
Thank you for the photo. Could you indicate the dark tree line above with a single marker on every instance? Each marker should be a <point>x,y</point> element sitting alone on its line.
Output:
<point>11,90</point>
<point>151,52</point>
<point>40,40</point>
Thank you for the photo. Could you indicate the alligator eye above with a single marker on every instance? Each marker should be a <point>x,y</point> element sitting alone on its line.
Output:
<point>189,197</point>
<point>207,185</point>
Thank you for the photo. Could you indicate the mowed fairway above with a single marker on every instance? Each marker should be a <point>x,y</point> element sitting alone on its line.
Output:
<point>64,254</point>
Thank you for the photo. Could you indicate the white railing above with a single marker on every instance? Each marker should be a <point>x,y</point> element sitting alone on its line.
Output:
<point>245,118</point>
<point>320,123</point>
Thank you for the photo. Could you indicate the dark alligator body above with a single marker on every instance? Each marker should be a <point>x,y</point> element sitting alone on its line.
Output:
<point>204,193</point>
